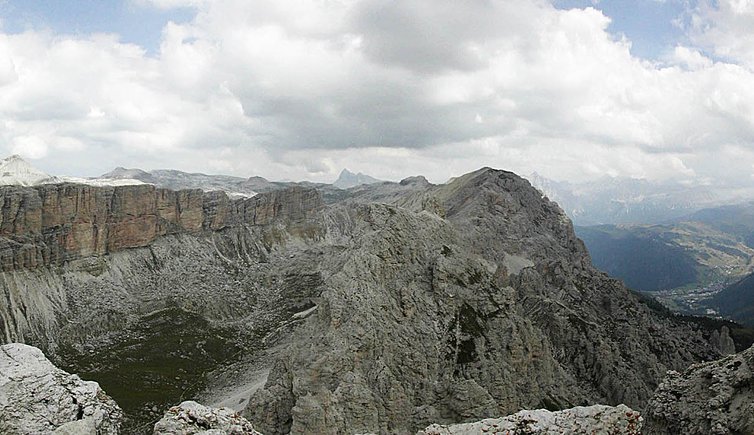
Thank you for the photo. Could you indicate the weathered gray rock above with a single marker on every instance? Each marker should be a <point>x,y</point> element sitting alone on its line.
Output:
<point>709,398</point>
<point>37,398</point>
<point>191,418</point>
<point>596,419</point>
<point>723,341</point>
<point>486,308</point>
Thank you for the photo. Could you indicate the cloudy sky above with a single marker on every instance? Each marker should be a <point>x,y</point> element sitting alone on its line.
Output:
<point>299,89</point>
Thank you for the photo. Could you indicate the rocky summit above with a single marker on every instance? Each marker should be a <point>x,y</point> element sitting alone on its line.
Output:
<point>381,308</point>
<point>458,302</point>
<point>194,418</point>
<point>595,419</point>
<point>38,398</point>
<point>708,398</point>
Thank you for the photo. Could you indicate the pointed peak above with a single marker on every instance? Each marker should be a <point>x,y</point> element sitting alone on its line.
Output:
<point>349,179</point>
<point>131,173</point>
<point>14,170</point>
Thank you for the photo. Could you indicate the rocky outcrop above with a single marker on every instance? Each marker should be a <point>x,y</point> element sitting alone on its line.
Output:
<point>191,418</point>
<point>36,397</point>
<point>709,398</point>
<point>596,419</point>
<point>723,341</point>
<point>493,308</point>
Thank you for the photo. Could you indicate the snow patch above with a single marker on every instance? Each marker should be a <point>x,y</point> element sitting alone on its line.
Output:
<point>99,182</point>
<point>304,314</point>
<point>15,171</point>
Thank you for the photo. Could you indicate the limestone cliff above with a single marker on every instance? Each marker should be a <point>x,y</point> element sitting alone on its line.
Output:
<point>50,234</point>
<point>55,223</point>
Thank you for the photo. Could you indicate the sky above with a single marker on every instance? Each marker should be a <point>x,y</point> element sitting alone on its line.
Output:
<point>300,89</point>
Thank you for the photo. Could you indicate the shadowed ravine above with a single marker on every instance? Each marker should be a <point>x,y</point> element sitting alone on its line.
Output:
<point>155,364</point>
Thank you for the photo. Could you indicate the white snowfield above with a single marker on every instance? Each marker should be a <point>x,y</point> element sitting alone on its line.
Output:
<point>101,181</point>
<point>15,171</point>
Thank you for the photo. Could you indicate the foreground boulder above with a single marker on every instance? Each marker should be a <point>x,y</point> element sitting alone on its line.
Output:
<point>709,398</point>
<point>596,419</point>
<point>190,418</point>
<point>36,397</point>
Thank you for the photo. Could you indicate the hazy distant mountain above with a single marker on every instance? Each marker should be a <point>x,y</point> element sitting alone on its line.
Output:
<point>735,219</point>
<point>348,179</point>
<point>620,200</point>
<point>120,173</point>
<point>16,171</point>
<point>737,301</point>
<point>177,180</point>
<point>711,245</point>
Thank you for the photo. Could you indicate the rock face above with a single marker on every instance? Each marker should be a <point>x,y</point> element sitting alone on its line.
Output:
<point>36,397</point>
<point>191,418</point>
<point>52,226</point>
<point>709,398</point>
<point>596,419</point>
<point>492,309</point>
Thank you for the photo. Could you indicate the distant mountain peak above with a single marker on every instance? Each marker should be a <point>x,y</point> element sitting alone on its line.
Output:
<point>16,171</point>
<point>348,179</point>
<point>120,173</point>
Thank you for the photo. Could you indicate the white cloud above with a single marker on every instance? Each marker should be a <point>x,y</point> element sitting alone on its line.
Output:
<point>726,28</point>
<point>169,4</point>
<point>32,147</point>
<point>299,89</point>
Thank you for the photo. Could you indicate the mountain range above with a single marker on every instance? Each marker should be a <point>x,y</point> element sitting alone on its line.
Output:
<point>702,263</point>
<point>622,200</point>
<point>383,308</point>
